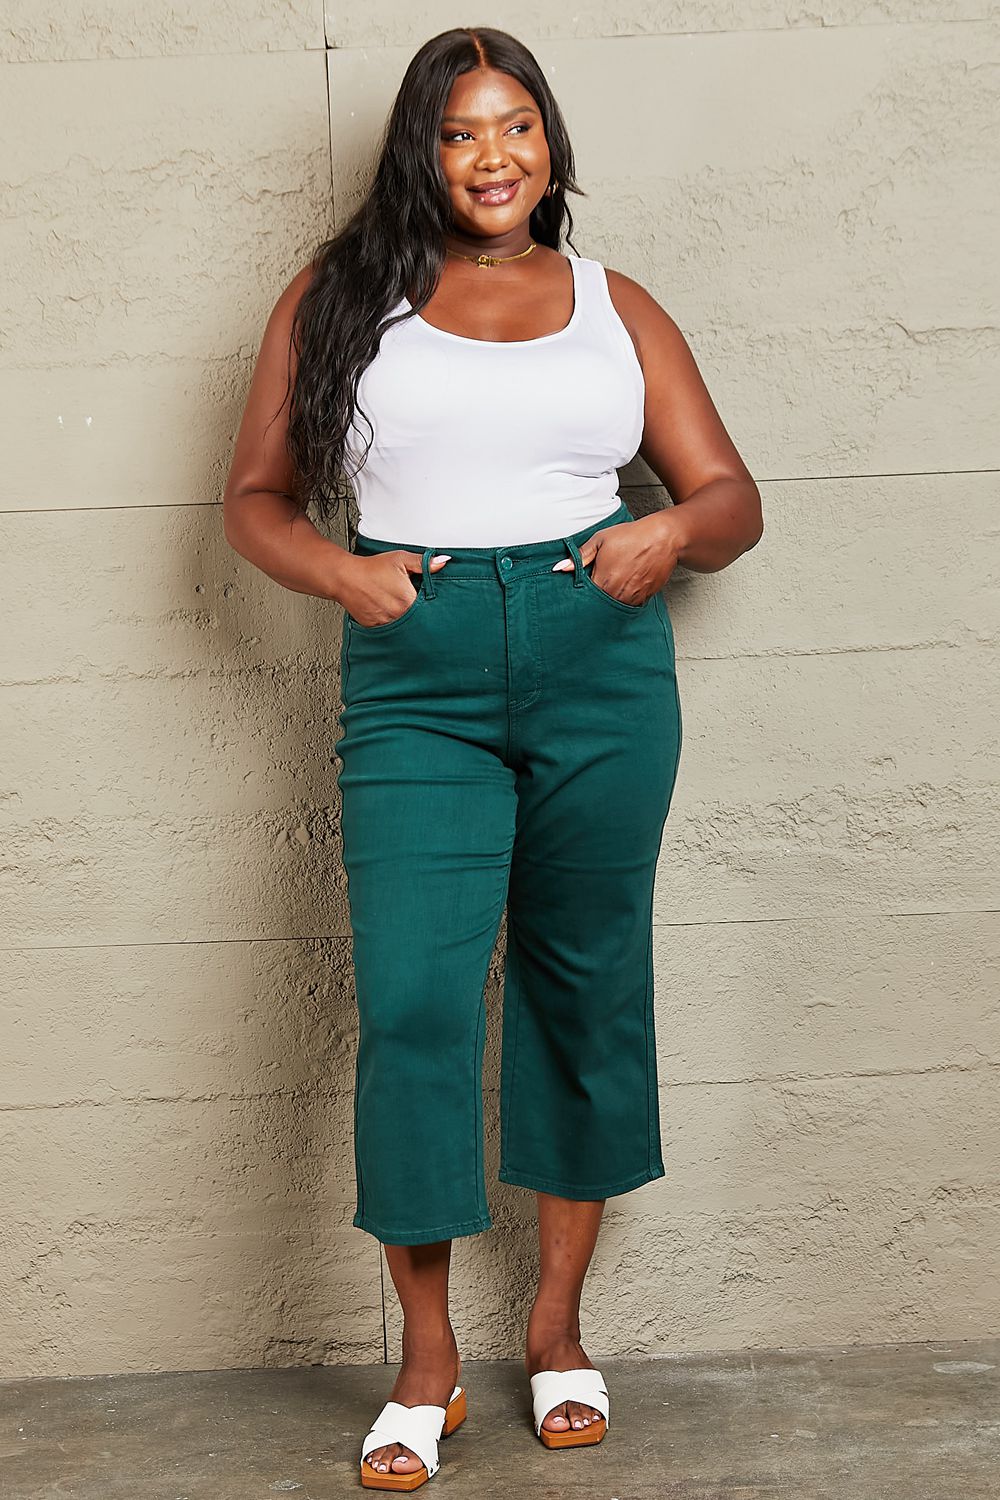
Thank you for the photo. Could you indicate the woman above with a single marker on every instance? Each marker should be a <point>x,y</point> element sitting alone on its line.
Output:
<point>510,722</point>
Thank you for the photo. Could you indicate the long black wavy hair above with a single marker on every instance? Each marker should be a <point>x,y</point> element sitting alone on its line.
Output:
<point>394,241</point>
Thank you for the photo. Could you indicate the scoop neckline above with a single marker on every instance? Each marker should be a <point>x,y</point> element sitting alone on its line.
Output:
<point>545,338</point>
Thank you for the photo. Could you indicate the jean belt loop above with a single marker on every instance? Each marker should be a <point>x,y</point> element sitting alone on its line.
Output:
<point>428,577</point>
<point>574,552</point>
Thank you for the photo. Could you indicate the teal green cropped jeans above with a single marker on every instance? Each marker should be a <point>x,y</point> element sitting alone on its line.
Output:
<point>512,739</point>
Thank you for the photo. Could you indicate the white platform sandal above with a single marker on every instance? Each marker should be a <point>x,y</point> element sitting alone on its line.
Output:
<point>550,1388</point>
<point>417,1428</point>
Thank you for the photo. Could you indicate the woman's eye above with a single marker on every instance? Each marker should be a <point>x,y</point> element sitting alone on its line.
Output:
<point>456,133</point>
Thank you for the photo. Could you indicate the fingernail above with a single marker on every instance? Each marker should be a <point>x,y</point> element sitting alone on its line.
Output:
<point>442,557</point>
<point>563,567</point>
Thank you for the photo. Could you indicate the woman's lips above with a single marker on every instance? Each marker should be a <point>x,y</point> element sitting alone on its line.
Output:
<point>496,193</point>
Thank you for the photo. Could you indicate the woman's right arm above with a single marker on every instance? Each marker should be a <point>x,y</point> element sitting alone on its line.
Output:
<point>260,518</point>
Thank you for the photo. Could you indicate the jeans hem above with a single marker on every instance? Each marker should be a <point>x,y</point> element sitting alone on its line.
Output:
<point>422,1236</point>
<point>578,1190</point>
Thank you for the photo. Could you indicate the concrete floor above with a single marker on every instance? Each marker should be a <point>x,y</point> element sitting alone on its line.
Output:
<point>906,1421</point>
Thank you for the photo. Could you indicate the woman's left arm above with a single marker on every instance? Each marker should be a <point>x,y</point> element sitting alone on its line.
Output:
<point>716,513</point>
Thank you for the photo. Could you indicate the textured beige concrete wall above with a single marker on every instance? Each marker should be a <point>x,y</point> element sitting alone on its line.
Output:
<point>812,195</point>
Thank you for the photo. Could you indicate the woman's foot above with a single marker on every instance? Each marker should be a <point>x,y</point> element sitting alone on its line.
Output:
<point>429,1374</point>
<point>560,1349</point>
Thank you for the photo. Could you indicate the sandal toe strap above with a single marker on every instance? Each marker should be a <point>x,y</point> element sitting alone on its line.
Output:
<point>551,1388</point>
<point>416,1427</point>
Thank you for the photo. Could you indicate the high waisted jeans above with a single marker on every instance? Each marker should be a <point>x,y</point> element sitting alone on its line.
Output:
<point>512,738</point>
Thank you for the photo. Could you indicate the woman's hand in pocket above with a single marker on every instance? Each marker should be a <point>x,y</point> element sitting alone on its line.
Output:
<point>378,588</point>
<point>633,560</point>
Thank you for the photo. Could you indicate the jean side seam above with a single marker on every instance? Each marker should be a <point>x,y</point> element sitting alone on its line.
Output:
<point>652,1099</point>
<point>515,1026</point>
<point>345,673</point>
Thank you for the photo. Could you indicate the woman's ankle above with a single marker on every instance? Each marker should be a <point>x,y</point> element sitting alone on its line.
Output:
<point>427,1338</point>
<point>551,1322</point>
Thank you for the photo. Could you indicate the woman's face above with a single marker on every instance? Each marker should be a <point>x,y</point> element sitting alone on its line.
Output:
<point>492,133</point>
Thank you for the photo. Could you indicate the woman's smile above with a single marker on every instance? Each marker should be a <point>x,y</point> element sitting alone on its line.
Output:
<point>494,193</point>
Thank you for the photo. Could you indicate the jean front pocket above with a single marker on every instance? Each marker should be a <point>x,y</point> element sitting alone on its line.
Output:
<point>630,609</point>
<point>388,625</point>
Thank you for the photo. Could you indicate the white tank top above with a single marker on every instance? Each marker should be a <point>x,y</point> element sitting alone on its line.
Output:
<point>479,443</point>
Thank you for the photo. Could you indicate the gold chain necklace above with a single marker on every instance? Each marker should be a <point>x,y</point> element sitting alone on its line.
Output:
<point>493,260</point>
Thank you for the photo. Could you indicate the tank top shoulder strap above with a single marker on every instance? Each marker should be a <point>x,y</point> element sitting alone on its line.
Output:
<point>587,275</point>
<point>592,289</point>
<point>599,309</point>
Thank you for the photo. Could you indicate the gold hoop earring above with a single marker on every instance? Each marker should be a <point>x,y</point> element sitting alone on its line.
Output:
<point>549,190</point>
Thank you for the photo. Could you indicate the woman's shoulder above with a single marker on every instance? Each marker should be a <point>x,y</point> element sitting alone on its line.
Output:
<point>299,284</point>
<point>626,290</point>
<point>643,316</point>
